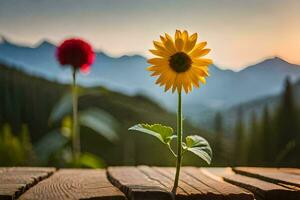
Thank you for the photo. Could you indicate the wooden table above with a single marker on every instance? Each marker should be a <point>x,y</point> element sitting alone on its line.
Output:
<point>150,183</point>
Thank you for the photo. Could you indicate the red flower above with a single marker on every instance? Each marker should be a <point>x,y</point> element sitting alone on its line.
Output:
<point>77,53</point>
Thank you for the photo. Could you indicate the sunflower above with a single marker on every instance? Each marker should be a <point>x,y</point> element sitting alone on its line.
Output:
<point>179,63</point>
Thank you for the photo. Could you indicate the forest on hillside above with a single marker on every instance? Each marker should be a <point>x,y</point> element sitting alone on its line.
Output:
<point>270,140</point>
<point>28,136</point>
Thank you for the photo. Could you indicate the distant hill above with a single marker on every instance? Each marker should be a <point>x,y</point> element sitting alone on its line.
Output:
<point>127,74</point>
<point>29,99</point>
<point>256,106</point>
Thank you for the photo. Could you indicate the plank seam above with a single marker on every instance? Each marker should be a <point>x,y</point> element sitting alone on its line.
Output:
<point>281,183</point>
<point>259,194</point>
<point>37,180</point>
<point>222,179</point>
<point>116,183</point>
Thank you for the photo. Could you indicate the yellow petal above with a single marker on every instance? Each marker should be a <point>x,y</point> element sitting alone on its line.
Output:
<point>199,53</point>
<point>200,71</point>
<point>178,41</point>
<point>194,78</point>
<point>158,61</point>
<point>190,43</point>
<point>196,83</point>
<point>160,53</point>
<point>163,40</point>
<point>159,46</point>
<point>156,73</point>
<point>185,82</point>
<point>163,78</point>
<point>169,43</point>
<point>177,34</point>
<point>179,82</point>
<point>203,80</point>
<point>153,68</point>
<point>202,62</point>
<point>168,75</point>
<point>160,69</point>
<point>179,44</point>
<point>175,84</point>
<point>199,46</point>
<point>193,37</point>
<point>159,80</point>
<point>170,82</point>
<point>191,87</point>
<point>168,37</point>
<point>184,36</point>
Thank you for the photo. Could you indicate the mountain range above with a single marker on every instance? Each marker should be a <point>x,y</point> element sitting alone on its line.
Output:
<point>127,74</point>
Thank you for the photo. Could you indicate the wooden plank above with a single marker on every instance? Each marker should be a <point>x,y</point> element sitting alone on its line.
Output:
<point>193,188</point>
<point>11,191</point>
<point>27,169</point>
<point>142,183</point>
<point>270,175</point>
<point>262,189</point>
<point>295,171</point>
<point>184,190</point>
<point>226,190</point>
<point>14,181</point>
<point>137,185</point>
<point>153,174</point>
<point>75,184</point>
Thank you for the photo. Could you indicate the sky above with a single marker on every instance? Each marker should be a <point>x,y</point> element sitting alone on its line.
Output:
<point>239,32</point>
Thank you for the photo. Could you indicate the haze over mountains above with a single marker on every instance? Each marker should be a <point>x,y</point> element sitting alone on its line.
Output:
<point>127,74</point>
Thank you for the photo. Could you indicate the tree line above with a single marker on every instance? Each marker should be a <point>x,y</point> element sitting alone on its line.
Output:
<point>273,139</point>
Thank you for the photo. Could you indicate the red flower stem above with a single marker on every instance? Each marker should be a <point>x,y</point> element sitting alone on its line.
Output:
<point>76,135</point>
<point>179,143</point>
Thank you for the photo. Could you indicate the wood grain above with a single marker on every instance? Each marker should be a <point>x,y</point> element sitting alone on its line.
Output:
<point>14,181</point>
<point>137,185</point>
<point>142,182</point>
<point>75,184</point>
<point>28,169</point>
<point>226,190</point>
<point>262,189</point>
<point>270,174</point>
<point>166,176</point>
<point>295,171</point>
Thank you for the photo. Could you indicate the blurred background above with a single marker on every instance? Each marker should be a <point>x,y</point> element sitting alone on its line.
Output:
<point>249,110</point>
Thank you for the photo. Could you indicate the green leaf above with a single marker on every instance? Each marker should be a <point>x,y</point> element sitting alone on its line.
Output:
<point>173,137</point>
<point>49,144</point>
<point>91,161</point>
<point>64,106</point>
<point>199,146</point>
<point>163,133</point>
<point>99,121</point>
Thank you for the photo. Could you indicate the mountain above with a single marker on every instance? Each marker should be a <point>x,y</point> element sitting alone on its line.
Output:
<point>127,74</point>
<point>226,88</point>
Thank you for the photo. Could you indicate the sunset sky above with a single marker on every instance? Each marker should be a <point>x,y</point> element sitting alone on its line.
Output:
<point>239,32</point>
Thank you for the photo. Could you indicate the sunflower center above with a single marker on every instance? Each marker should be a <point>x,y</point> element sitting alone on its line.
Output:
<point>180,62</point>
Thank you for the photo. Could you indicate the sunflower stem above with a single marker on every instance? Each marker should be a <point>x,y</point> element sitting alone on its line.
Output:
<point>179,143</point>
<point>76,136</point>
